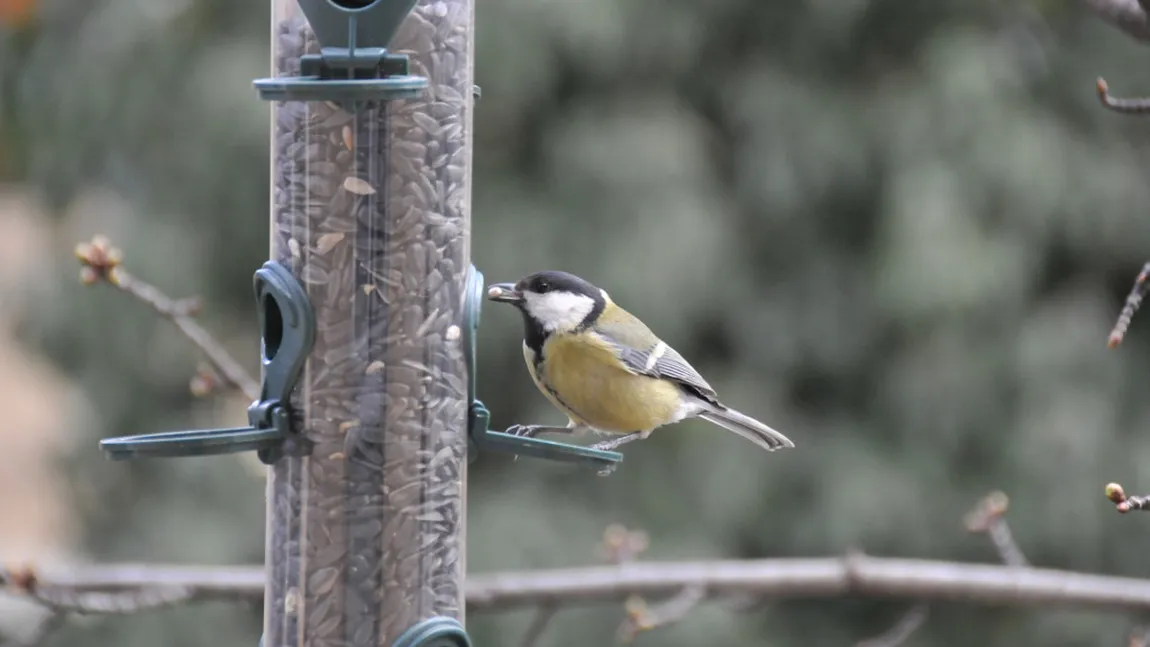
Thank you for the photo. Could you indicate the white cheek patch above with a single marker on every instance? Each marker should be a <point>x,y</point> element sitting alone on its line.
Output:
<point>559,310</point>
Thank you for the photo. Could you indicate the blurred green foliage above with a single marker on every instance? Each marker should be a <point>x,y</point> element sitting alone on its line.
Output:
<point>896,230</point>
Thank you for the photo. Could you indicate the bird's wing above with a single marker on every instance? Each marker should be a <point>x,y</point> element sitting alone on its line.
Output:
<point>660,361</point>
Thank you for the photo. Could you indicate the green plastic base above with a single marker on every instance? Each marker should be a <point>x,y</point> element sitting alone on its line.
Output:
<point>303,88</point>
<point>177,444</point>
<point>435,632</point>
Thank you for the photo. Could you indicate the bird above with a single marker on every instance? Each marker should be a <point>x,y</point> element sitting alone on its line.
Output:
<point>606,370</point>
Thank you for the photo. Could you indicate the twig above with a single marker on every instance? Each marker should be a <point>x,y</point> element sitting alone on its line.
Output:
<point>543,616</point>
<point>907,624</point>
<point>989,518</point>
<point>806,578</point>
<point>1126,106</point>
<point>101,262</point>
<point>1133,302</point>
<point>1130,16</point>
<point>61,601</point>
<point>910,622</point>
<point>65,599</point>
<point>621,545</point>
<point>642,617</point>
<point>1124,503</point>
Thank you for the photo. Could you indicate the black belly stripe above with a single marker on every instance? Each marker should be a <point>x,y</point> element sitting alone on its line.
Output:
<point>555,394</point>
<point>563,402</point>
<point>537,373</point>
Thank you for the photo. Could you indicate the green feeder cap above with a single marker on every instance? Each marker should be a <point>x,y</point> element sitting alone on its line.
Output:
<point>439,631</point>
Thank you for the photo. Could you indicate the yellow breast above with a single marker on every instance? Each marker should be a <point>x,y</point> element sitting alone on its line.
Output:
<point>591,387</point>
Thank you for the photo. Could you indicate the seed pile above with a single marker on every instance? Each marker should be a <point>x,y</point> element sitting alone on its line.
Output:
<point>371,211</point>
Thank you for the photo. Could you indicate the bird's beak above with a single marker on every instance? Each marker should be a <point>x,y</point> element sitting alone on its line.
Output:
<point>504,292</point>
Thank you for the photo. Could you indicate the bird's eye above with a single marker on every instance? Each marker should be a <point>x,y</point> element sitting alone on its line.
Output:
<point>542,286</point>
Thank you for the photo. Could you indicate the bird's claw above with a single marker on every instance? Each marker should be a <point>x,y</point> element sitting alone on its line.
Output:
<point>531,431</point>
<point>523,431</point>
<point>614,443</point>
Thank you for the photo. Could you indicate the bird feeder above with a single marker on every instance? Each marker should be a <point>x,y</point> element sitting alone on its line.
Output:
<point>368,309</point>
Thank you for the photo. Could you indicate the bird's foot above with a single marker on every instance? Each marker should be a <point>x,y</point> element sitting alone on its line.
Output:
<point>611,445</point>
<point>526,431</point>
<point>531,431</point>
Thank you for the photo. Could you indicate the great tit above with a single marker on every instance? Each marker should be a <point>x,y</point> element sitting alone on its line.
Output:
<point>606,370</point>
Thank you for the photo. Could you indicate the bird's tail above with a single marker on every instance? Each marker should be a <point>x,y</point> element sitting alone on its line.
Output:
<point>747,427</point>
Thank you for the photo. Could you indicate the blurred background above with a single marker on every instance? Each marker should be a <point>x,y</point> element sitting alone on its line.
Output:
<point>898,231</point>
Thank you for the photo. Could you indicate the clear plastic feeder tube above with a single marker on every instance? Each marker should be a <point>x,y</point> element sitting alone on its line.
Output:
<point>371,211</point>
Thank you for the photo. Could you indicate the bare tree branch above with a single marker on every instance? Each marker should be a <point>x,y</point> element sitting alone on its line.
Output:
<point>806,578</point>
<point>65,598</point>
<point>60,601</point>
<point>101,262</point>
<point>815,578</point>
<point>1131,16</point>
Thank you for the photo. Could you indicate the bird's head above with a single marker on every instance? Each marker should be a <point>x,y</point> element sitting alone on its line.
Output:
<point>555,301</point>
